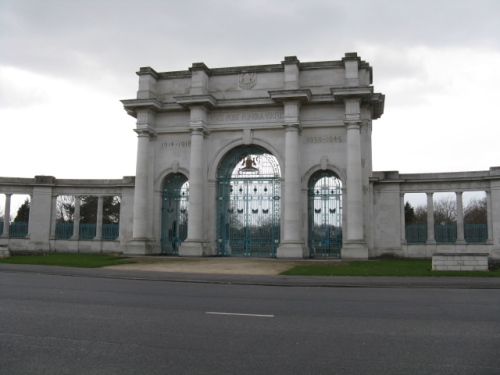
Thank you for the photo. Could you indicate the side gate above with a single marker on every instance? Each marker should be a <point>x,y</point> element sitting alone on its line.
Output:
<point>325,215</point>
<point>174,212</point>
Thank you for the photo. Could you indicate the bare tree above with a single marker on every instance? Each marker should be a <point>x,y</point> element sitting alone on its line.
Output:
<point>476,211</point>
<point>445,210</point>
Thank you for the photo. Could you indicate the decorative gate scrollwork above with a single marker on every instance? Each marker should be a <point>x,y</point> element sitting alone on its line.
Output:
<point>248,203</point>
<point>325,215</point>
<point>174,213</point>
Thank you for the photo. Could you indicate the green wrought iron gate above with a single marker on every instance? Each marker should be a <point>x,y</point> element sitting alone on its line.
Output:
<point>174,213</point>
<point>248,203</point>
<point>325,215</point>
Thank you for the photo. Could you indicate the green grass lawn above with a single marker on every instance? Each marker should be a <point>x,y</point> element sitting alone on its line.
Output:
<point>67,260</point>
<point>382,267</point>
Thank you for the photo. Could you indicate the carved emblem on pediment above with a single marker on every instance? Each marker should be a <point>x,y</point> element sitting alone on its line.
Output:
<point>247,80</point>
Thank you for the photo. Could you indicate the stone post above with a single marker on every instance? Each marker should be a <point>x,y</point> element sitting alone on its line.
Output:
<point>53,217</point>
<point>402,217</point>
<point>489,217</point>
<point>430,219</point>
<point>30,220</point>
<point>98,231</point>
<point>76,219</point>
<point>460,218</point>
<point>6,216</point>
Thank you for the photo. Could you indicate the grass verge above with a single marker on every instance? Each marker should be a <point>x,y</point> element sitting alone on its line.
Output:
<point>67,260</point>
<point>382,267</point>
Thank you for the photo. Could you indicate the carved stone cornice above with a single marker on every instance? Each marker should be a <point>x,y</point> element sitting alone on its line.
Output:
<point>188,101</point>
<point>145,131</point>
<point>132,106</point>
<point>364,94</point>
<point>147,71</point>
<point>281,96</point>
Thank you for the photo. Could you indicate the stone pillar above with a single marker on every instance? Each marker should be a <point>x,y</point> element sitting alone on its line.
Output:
<point>198,101</point>
<point>460,218</point>
<point>489,217</point>
<point>141,186</point>
<point>196,243</point>
<point>6,216</point>
<point>98,231</point>
<point>402,217</point>
<point>430,219</point>
<point>354,245</point>
<point>53,217</point>
<point>291,244</point>
<point>76,219</point>
<point>196,177</point>
<point>292,239</point>
<point>30,220</point>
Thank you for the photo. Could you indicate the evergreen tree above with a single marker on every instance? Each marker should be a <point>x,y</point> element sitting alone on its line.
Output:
<point>409,214</point>
<point>23,213</point>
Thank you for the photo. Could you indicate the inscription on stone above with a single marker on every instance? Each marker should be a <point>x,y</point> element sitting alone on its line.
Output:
<point>176,144</point>
<point>246,117</point>
<point>331,139</point>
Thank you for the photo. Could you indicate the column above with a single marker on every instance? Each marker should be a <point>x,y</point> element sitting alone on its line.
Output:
<point>402,215</point>
<point>30,221</point>
<point>76,219</point>
<point>141,186</point>
<point>292,222</point>
<point>6,216</point>
<point>98,232</point>
<point>460,218</point>
<point>489,217</point>
<point>195,245</point>
<point>292,244</point>
<point>354,183</point>
<point>430,219</point>
<point>196,177</point>
<point>53,217</point>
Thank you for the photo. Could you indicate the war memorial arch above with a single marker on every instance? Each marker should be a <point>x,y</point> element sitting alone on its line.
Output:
<point>264,161</point>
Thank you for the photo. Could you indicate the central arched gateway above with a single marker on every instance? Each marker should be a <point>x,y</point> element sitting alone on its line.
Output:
<point>248,203</point>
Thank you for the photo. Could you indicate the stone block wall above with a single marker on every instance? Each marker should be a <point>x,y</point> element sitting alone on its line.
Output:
<point>460,262</point>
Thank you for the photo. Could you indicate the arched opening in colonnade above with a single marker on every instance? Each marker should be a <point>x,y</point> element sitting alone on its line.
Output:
<point>174,213</point>
<point>325,215</point>
<point>248,203</point>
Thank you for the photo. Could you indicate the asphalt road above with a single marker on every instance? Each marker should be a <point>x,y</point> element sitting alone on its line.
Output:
<point>52,324</point>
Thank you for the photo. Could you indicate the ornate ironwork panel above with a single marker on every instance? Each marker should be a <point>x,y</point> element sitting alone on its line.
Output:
<point>174,213</point>
<point>325,215</point>
<point>248,203</point>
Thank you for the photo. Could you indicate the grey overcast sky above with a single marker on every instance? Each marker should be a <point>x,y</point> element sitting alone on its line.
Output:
<point>64,66</point>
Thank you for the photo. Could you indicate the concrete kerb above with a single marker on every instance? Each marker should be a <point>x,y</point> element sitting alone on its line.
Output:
<point>283,281</point>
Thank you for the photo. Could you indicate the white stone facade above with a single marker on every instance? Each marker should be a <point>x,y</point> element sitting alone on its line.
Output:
<point>311,116</point>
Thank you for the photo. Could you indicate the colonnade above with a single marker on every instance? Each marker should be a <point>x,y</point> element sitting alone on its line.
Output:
<point>76,217</point>
<point>460,239</point>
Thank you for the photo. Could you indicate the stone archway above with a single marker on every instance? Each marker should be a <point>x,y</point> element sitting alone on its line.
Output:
<point>248,203</point>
